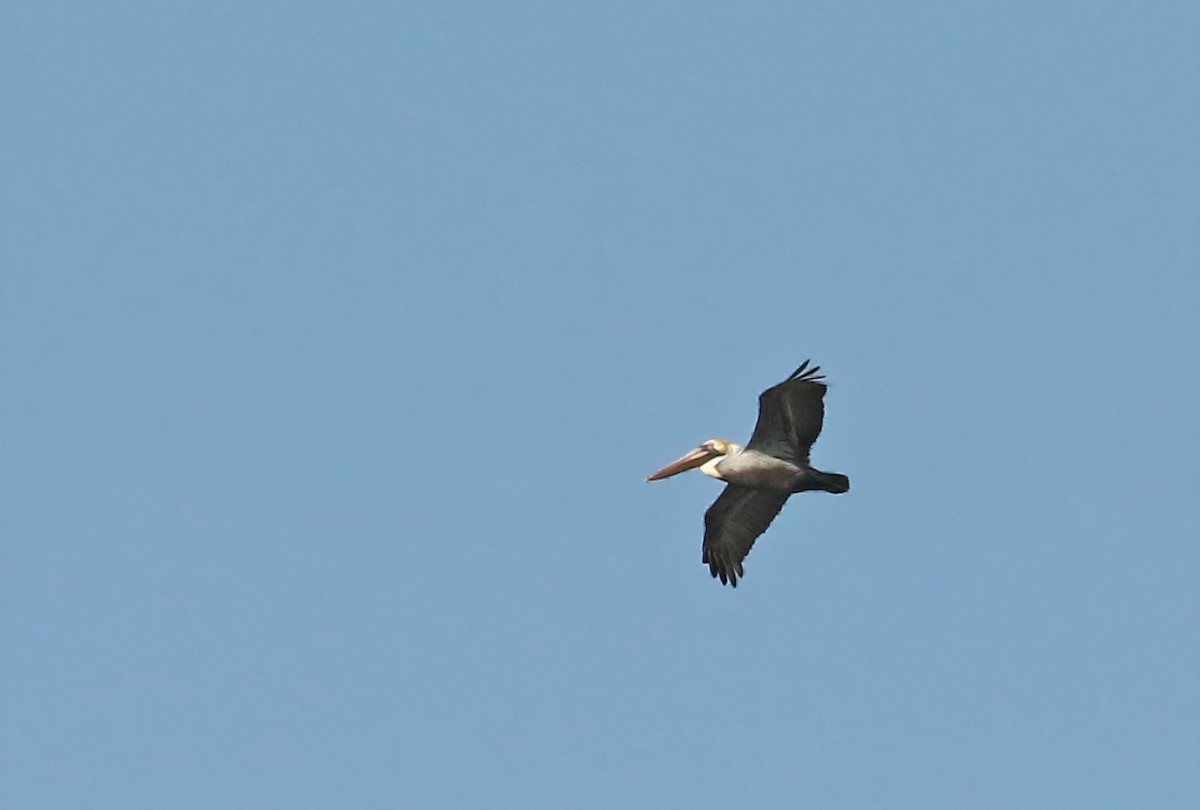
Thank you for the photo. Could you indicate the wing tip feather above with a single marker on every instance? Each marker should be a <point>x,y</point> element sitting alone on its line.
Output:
<point>805,373</point>
<point>723,570</point>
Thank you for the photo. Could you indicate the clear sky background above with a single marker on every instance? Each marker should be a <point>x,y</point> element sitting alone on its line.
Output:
<point>338,339</point>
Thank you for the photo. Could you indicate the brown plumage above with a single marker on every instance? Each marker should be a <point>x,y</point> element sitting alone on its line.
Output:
<point>764,474</point>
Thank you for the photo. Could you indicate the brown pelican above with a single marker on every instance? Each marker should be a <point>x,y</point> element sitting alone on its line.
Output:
<point>762,475</point>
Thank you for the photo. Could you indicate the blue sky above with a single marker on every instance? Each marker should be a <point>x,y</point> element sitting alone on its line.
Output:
<point>338,339</point>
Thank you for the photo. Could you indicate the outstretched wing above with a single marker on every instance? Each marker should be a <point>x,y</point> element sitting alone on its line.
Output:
<point>790,415</point>
<point>733,523</point>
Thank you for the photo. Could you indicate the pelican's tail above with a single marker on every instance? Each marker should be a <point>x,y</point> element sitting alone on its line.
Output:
<point>835,483</point>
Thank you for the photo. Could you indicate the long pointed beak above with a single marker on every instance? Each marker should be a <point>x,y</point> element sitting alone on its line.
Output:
<point>692,459</point>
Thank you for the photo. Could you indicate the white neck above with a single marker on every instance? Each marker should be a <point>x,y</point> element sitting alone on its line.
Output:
<point>709,467</point>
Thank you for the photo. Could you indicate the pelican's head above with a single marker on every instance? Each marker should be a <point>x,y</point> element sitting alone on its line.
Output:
<point>705,457</point>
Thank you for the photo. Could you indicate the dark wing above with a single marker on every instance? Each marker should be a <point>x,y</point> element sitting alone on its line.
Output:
<point>733,523</point>
<point>790,415</point>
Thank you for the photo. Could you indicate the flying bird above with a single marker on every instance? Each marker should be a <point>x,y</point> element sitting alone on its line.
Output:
<point>762,475</point>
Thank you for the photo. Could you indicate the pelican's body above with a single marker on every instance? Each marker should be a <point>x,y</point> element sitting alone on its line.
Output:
<point>757,470</point>
<point>763,474</point>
